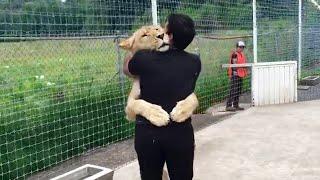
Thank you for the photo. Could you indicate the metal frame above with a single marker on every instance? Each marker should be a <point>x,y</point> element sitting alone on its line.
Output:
<point>81,172</point>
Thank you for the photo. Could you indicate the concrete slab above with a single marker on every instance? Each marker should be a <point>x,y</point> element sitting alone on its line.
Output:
<point>303,87</point>
<point>310,80</point>
<point>277,142</point>
<point>313,93</point>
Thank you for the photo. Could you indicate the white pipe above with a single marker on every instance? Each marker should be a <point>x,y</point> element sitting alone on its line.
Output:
<point>154,12</point>
<point>300,40</point>
<point>255,33</point>
<point>255,50</point>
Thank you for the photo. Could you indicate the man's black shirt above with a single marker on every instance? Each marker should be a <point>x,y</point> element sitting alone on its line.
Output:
<point>165,77</point>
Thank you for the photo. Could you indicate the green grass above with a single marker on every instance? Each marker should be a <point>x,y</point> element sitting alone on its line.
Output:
<point>43,124</point>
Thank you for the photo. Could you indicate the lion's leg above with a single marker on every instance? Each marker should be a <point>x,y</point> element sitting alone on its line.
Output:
<point>165,175</point>
<point>133,95</point>
<point>130,115</point>
<point>184,109</point>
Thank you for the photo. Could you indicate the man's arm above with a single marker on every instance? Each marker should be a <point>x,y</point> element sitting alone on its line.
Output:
<point>134,65</point>
<point>185,108</point>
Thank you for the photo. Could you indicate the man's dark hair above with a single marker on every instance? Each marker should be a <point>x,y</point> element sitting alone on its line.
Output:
<point>182,28</point>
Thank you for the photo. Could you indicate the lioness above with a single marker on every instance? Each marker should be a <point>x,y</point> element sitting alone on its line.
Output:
<point>153,38</point>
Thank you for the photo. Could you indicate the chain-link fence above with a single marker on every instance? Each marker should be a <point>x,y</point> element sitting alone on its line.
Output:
<point>277,23</point>
<point>310,61</point>
<point>62,88</point>
<point>278,38</point>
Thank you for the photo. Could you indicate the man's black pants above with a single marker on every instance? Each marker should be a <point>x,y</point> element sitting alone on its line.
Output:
<point>235,91</point>
<point>173,144</point>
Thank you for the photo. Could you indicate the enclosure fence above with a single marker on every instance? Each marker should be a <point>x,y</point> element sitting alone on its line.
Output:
<point>62,90</point>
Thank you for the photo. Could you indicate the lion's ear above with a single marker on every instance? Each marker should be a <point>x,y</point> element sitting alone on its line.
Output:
<point>127,44</point>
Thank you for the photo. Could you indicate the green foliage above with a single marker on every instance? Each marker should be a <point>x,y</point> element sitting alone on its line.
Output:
<point>58,99</point>
<point>90,17</point>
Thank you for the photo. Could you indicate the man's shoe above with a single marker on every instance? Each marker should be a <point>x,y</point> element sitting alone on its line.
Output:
<point>239,108</point>
<point>230,109</point>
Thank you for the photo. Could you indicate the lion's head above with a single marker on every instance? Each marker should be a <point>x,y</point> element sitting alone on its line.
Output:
<point>147,37</point>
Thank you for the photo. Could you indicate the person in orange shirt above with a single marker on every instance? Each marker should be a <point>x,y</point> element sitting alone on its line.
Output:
<point>236,74</point>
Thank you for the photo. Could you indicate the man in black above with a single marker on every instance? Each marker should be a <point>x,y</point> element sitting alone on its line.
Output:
<point>165,79</point>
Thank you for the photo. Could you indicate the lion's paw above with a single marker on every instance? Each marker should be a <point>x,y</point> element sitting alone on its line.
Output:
<point>181,111</point>
<point>156,115</point>
<point>130,115</point>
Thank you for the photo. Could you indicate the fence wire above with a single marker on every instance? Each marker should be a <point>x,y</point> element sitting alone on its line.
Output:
<point>310,64</point>
<point>62,90</point>
<point>277,23</point>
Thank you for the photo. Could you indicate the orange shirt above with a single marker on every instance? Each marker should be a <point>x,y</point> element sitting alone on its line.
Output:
<point>241,59</point>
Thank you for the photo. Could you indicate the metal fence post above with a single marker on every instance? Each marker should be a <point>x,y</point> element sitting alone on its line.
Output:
<point>197,49</point>
<point>255,32</point>
<point>255,48</point>
<point>120,70</point>
<point>300,40</point>
<point>154,12</point>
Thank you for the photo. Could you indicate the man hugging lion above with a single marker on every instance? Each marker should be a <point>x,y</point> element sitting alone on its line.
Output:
<point>162,99</point>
